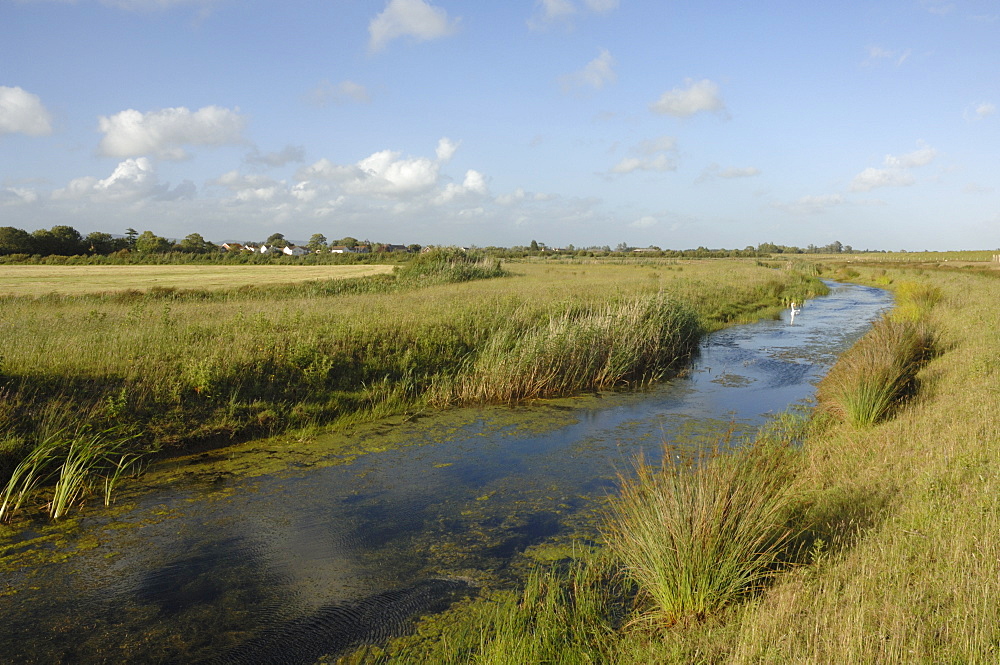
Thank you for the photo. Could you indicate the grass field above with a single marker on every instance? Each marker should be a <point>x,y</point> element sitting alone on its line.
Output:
<point>41,280</point>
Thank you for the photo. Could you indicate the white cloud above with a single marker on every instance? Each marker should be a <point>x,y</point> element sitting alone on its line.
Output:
<point>473,184</point>
<point>696,97</point>
<point>644,222</point>
<point>21,112</point>
<point>871,178</point>
<point>164,132</point>
<point>601,6</point>
<point>341,93</point>
<point>446,149</point>
<point>413,18</point>
<point>595,74</point>
<point>877,54</point>
<point>17,195</point>
<point>810,205</point>
<point>920,157</point>
<point>731,173</point>
<point>551,11</point>
<point>291,153</point>
<point>386,174</point>
<point>132,179</point>
<point>653,155</point>
<point>895,171</point>
<point>326,170</point>
<point>980,111</point>
<point>657,163</point>
<point>258,189</point>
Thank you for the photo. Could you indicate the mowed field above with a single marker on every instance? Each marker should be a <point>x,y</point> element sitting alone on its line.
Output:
<point>40,280</point>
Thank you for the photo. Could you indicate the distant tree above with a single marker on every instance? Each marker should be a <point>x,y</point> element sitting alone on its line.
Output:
<point>68,239</point>
<point>101,243</point>
<point>276,239</point>
<point>15,241</point>
<point>533,246</point>
<point>60,240</point>
<point>316,242</point>
<point>194,243</point>
<point>150,243</point>
<point>348,242</point>
<point>130,236</point>
<point>621,247</point>
<point>414,248</point>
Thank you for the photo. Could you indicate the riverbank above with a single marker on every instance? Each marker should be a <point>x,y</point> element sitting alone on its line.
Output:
<point>898,556</point>
<point>179,369</point>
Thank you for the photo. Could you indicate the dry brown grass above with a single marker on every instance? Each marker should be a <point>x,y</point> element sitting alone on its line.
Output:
<point>40,280</point>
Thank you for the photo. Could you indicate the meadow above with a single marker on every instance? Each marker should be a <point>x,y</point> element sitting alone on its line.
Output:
<point>44,280</point>
<point>868,532</point>
<point>170,368</point>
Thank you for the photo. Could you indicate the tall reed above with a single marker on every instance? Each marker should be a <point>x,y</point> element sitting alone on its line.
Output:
<point>633,342</point>
<point>79,462</point>
<point>878,373</point>
<point>696,538</point>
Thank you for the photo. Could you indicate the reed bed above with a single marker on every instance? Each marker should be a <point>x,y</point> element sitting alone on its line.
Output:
<point>577,349</point>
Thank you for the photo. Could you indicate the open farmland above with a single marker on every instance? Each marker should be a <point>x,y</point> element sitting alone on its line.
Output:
<point>40,280</point>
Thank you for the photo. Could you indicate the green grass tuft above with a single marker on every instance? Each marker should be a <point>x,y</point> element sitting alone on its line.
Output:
<point>878,373</point>
<point>697,538</point>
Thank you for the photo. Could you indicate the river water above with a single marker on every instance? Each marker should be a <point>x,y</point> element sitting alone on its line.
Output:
<point>281,552</point>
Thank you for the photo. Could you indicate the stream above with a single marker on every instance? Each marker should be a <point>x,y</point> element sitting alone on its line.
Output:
<point>274,552</point>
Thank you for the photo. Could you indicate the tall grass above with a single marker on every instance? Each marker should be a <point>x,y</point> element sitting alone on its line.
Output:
<point>697,539</point>
<point>578,348</point>
<point>878,373</point>
<point>565,613</point>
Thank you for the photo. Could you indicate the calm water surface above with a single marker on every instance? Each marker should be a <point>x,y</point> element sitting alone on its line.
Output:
<point>274,553</point>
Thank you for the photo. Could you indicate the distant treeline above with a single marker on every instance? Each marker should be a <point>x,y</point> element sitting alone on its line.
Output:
<point>55,245</point>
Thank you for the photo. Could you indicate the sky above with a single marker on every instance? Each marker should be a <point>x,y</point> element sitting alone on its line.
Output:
<point>664,123</point>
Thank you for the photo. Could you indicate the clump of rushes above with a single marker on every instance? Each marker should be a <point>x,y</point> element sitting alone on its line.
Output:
<point>696,538</point>
<point>878,373</point>
<point>914,300</point>
<point>79,462</point>
<point>630,343</point>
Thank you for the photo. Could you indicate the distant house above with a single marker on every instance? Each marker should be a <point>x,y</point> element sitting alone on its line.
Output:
<point>341,249</point>
<point>294,250</point>
<point>232,247</point>
<point>264,249</point>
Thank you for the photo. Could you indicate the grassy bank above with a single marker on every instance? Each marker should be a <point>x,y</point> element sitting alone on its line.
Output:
<point>176,367</point>
<point>874,541</point>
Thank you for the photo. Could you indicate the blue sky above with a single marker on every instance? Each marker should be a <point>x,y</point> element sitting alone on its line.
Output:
<point>584,122</point>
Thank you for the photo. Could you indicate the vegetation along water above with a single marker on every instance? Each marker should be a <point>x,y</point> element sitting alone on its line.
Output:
<point>168,368</point>
<point>865,534</point>
<point>880,539</point>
